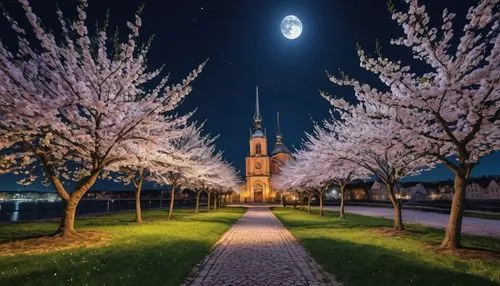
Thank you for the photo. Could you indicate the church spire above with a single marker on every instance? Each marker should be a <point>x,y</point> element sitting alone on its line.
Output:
<point>279,146</point>
<point>257,111</point>
<point>279,137</point>
<point>257,119</point>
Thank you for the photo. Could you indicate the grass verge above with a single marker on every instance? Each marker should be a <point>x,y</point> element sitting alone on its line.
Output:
<point>362,250</point>
<point>153,253</point>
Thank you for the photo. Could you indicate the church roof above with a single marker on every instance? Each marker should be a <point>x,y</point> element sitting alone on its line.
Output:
<point>258,133</point>
<point>279,147</point>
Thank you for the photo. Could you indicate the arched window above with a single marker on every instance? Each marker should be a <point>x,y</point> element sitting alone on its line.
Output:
<point>258,188</point>
<point>258,149</point>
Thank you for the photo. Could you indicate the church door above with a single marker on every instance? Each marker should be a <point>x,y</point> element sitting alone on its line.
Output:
<point>258,197</point>
<point>258,194</point>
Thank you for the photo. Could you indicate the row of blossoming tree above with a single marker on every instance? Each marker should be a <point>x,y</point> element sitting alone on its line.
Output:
<point>448,114</point>
<point>79,107</point>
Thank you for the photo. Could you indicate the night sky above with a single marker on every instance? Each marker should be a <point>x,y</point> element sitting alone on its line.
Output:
<point>246,48</point>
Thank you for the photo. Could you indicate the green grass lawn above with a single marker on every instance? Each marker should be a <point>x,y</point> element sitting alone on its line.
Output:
<point>362,250</point>
<point>158,252</point>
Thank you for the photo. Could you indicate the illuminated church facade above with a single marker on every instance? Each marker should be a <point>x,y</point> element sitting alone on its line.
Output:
<point>260,166</point>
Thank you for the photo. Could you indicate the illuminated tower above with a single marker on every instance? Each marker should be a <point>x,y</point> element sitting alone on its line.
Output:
<point>258,180</point>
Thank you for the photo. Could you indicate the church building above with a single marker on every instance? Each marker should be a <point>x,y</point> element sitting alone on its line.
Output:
<point>260,166</point>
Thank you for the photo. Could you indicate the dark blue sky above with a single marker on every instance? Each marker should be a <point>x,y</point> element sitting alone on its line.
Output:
<point>246,48</point>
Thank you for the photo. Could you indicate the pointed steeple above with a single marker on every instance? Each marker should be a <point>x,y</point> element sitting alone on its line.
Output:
<point>279,146</point>
<point>279,137</point>
<point>257,111</point>
<point>257,119</point>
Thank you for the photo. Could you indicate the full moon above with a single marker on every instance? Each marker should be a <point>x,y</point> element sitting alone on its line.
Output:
<point>291,27</point>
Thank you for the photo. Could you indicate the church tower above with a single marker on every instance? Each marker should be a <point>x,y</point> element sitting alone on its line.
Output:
<point>280,154</point>
<point>258,175</point>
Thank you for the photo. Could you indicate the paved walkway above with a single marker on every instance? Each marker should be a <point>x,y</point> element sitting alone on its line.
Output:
<point>470,225</point>
<point>259,250</point>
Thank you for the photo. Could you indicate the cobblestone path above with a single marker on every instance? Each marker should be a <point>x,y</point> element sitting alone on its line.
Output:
<point>259,250</point>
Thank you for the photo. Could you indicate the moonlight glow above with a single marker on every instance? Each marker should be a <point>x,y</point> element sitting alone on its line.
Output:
<point>291,27</point>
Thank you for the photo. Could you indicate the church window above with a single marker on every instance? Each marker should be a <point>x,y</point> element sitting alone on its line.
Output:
<point>258,188</point>
<point>258,149</point>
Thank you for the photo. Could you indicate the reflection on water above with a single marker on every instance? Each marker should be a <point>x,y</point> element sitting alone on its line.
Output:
<point>13,211</point>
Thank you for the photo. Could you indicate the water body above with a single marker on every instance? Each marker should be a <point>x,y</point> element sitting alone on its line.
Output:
<point>14,211</point>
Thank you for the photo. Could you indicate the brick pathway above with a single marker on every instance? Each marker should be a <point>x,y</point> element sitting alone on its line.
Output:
<point>259,250</point>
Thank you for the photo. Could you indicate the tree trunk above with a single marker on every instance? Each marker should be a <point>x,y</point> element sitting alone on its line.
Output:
<point>215,202</point>
<point>452,238</point>
<point>342,212</point>
<point>396,205</point>
<point>295,201</point>
<point>208,200</point>
<point>398,216</point>
<point>67,225</point>
<point>172,200</point>
<point>309,202</point>
<point>301,197</point>
<point>198,195</point>
<point>138,211</point>
<point>321,211</point>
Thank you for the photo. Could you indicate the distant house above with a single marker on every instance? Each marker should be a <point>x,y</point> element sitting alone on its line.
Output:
<point>378,192</point>
<point>431,191</point>
<point>446,192</point>
<point>493,190</point>
<point>434,194</point>
<point>439,190</point>
<point>485,188</point>
<point>415,193</point>
<point>474,191</point>
<point>358,191</point>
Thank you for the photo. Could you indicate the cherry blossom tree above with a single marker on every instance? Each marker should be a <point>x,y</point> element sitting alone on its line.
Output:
<point>190,160</point>
<point>206,179</point>
<point>141,167</point>
<point>299,175</point>
<point>223,179</point>
<point>134,174</point>
<point>374,143</point>
<point>320,164</point>
<point>178,160</point>
<point>75,104</point>
<point>215,174</point>
<point>296,176</point>
<point>329,162</point>
<point>226,182</point>
<point>449,111</point>
<point>293,177</point>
